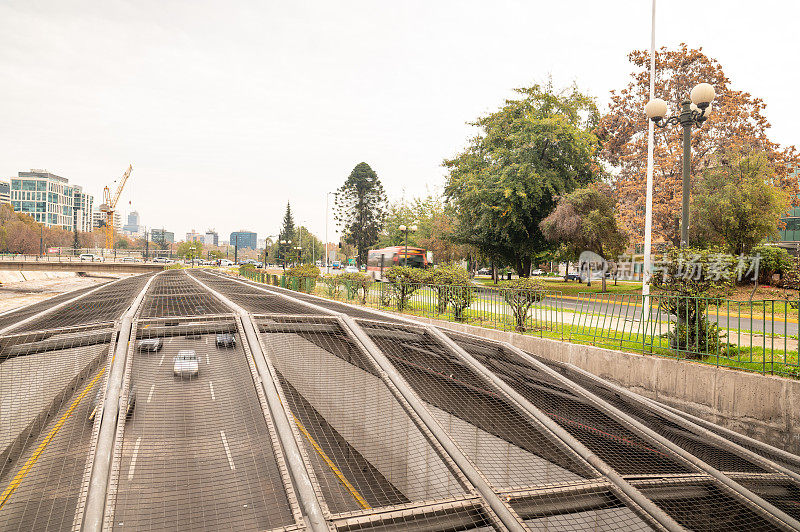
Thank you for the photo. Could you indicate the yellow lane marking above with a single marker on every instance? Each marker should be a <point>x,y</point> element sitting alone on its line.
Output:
<point>15,482</point>
<point>356,495</point>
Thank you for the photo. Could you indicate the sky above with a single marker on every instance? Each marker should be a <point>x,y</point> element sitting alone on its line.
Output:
<point>229,109</point>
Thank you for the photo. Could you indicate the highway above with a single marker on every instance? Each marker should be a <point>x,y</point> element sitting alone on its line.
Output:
<point>205,452</point>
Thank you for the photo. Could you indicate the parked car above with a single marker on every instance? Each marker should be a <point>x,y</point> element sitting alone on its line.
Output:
<point>350,269</point>
<point>99,396</point>
<point>161,259</point>
<point>185,364</point>
<point>537,272</point>
<point>226,340</point>
<point>225,262</point>
<point>485,271</point>
<point>151,344</point>
<point>573,277</point>
<point>91,257</point>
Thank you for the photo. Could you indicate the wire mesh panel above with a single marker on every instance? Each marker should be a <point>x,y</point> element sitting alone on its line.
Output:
<point>367,451</point>
<point>50,384</point>
<point>626,452</point>
<point>106,304</point>
<point>19,314</point>
<point>173,293</point>
<point>197,451</point>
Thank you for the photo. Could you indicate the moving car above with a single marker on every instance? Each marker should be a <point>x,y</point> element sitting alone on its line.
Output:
<point>537,272</point>
<point>185,364</point>
<point>350,269</point>
<point>91,257</point>
<point>98,397</point>
<point>226,340</point>
<point>151,344</point>
<point>225,262</point>
<point>573,277</point>
<point>485,271</point>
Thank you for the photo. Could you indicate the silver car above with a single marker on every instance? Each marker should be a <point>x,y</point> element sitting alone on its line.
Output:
<point>151,344</point>
<point>185,364</point>
<point>99,395</point>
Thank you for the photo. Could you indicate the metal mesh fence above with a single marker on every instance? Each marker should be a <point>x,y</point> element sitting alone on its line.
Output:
<point>16,315</point>
<point>173,293</point>
<point>367,450</point>
<point>197,451</point>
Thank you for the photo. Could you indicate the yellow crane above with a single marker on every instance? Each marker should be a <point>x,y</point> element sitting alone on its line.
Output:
<point>109,206</point>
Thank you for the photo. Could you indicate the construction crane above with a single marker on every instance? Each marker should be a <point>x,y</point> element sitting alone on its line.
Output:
<point>109,206</point>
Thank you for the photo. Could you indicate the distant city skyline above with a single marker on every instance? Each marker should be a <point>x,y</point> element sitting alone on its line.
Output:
<point>229,110</point>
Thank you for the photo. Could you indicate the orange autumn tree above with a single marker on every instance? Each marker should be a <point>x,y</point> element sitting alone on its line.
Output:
<point>736,122</point>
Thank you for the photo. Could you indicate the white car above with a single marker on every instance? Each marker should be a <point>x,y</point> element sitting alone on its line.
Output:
<point>185,363</point>
<point>226,262</point>
<point>537,272</point>
<point>91,257</point>
<point>350,269</point>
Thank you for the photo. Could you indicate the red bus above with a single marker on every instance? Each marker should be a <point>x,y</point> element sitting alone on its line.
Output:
<point>380,259</point>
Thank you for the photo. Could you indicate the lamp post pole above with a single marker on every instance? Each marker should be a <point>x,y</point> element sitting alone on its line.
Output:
<point>405,229</point>
<point>327,264</point>
<point>693,114</point>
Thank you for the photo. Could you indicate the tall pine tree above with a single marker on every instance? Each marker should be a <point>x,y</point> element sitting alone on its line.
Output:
<point>287,230</point>
<point>360,209</point>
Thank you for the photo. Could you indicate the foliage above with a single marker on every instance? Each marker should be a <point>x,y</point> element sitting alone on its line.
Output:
<point>403,281</point>
<point>737,121</point>
<point>529,152</point>
<point>360,209</point>
<point>791,278</point>
<point>216,254</point>
<point>521,294</point>
<point>436,222</point>
<point>332,284</point>
<point>305,271</point>
<point>444,277</point>
<point>355,283</point>
<point>313,248</point>
<point>772,260</point>
<point>287,228</point>
<point>585,220</point>
<point>735,204</point>
<point>190,250</point>
<point>691,279</point>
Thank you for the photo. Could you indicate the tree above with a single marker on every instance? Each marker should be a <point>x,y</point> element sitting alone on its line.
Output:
<point>287,229</point>
<point>190,250</point>
<point>737,119</point>
<point>313,249</point>
<point>585,220</point>
<point>735,204</point>
<point>529,152</point>
<point>360,209</point>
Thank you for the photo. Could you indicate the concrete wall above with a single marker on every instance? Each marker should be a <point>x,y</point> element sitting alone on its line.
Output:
<point>764,407</point>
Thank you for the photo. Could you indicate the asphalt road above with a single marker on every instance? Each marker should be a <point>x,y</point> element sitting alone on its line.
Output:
<point>196,453</point>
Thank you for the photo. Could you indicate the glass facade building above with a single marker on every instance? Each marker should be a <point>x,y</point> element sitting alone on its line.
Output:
<point>244,239</point>
<point>46,197</point>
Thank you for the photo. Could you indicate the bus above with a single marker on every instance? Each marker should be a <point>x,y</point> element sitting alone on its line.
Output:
<point>380,259</point>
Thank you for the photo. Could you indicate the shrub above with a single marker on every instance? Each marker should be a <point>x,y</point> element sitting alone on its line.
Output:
<point>403,282</point>
<point>355,283</point>
<point>773,260</point>
<point>521,294</point>
<point>307,275</point>
<point>442,279</point>
<point>332,284</point>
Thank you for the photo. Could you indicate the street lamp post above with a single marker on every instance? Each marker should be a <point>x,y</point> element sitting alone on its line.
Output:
<point>405,230</point>
<point>693,113</point>
<point>327,266</point>
<point>282,251</point>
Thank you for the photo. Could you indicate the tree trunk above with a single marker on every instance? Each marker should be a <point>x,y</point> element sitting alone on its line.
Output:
<point>566,274</point>
<point>604,280</point>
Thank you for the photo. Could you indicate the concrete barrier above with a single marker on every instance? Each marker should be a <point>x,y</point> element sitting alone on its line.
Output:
<point>763,407</point>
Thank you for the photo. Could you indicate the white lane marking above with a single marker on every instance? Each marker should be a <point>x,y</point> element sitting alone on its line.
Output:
<point>205,340</point>
<point>227,449</point>
<point>208,359</point>
<point>162,359</point>
<point>133,460</point>
<point>150,395</point>
<point>211,385</point>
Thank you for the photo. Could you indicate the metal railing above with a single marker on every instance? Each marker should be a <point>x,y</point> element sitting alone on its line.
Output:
<point>757,335</point>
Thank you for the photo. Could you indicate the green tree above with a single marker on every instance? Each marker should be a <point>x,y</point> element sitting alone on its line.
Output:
<point>529,152</point>
<point>585,220</point>
<point>190,250</point>
<point>313,249</point>
<point>735,203</point>
<point>360,209</point>
<point>287,232</point>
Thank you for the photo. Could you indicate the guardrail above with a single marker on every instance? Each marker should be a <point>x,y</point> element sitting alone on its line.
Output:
<point>760,335</point>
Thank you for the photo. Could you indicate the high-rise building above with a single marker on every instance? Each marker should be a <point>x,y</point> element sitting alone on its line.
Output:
<point>194,236</point>
<point>83,205</point>
<point>5,192</point>
<point>244,239</point>
<point>132,227</point>
<point>99,219</point>
<point>46,197</point>
<point>211,238</point>
<point>157,235</point>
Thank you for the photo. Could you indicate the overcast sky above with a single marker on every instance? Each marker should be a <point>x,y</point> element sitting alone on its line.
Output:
<point>227,109</point>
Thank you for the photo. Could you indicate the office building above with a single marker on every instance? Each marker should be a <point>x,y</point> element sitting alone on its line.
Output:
<point>159,235</point>
<point>133,225</point>
<point>194,236</point>
<point>211,238</point>
<point>5,192</point>
<point>44,196</point>
<point>244,239</point>
<point>99,219</point>
<point>83,204</point>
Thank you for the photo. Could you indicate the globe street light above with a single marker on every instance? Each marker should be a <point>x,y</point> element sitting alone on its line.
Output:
<point>693,113</point>
<point>405,230</point>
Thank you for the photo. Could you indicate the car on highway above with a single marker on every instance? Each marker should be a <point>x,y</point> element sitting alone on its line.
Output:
<point>186,364</point>
<point>165,260</point>
<point>151,344</point>
<point>225,262</point>
<point>91,257</point>
<point>130,259</point>
<point>226,340</point>
<point>350,269</point>
<point>98,397</point>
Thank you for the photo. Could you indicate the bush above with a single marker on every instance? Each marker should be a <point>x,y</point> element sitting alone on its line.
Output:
<point>521,294</point>
<point>403,282</point>
<point>773,260</point>
<point>307,275</point>
<point>332,284</point>
<point>355,283</point>
<point>442,279</point>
